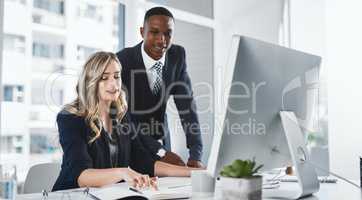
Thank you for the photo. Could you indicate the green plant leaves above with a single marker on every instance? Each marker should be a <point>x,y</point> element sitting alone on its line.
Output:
<point>241,169</point>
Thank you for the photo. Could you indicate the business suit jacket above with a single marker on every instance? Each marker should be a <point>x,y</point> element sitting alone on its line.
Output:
<point>149,110</point>
<point>79,155</point>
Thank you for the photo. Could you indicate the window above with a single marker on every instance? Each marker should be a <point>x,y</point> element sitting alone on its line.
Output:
<point>18,1</point>
<point>14,43</point>
<point>41,50</point>
<point>42,143</point>
<point>12,144</point>
<point>84,52</point>
<point>54,6</point>
<point>8,93</point>
<point>14,93</point>
<point>48,50</point>
<point>30,131</point>
<point>37,18</point>
<point>90,11</point>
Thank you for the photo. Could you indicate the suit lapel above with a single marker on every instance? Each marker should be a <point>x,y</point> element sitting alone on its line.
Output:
<point>169,68</point>
<point>165,75</point>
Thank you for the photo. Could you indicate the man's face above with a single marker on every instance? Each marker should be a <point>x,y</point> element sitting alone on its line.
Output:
<point>157,35</point>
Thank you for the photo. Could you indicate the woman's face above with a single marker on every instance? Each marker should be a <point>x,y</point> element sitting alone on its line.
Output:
<point>110,84</point>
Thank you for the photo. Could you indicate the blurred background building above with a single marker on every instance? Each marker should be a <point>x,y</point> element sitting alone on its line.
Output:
<point>45,44</point>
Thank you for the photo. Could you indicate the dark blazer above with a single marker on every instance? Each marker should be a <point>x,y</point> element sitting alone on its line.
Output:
<point>149,110</point>
<point>78,154</point>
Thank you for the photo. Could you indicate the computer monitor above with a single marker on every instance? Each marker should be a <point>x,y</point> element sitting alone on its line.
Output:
<point>267,79</point>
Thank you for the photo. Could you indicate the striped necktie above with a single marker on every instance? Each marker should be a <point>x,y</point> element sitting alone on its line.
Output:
<point>157,84</point>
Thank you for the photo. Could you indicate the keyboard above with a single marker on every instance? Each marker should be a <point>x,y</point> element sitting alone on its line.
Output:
<point>322,179</point>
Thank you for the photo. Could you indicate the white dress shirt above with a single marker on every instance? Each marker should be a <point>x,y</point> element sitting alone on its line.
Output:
<point>149,63</point>
<point>151,75</point>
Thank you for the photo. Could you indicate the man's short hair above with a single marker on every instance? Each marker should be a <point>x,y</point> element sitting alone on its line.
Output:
<point>157,11</point>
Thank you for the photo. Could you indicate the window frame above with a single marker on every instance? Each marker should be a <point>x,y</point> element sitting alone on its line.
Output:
<point>49,6</point>
<point>16,38</point>
<point>15,91</point>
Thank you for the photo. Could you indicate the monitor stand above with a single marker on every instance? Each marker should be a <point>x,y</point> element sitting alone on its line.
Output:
<point>305,172</point>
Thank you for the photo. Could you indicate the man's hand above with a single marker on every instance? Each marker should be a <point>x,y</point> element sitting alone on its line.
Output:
<point>195,164</point>
<point>172,158</point>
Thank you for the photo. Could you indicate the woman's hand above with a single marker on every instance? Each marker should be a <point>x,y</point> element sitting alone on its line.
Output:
<point>138,180</point>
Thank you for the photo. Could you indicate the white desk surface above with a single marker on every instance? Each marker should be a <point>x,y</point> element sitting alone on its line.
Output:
<point>328,191</point>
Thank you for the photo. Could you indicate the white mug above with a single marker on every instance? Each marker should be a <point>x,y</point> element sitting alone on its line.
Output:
<point>203,183</point>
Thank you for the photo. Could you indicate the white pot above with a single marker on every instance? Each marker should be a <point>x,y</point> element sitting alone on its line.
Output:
<point>241,188</point>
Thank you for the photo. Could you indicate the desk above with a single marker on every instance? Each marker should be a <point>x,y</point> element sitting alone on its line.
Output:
<point>328,191</point>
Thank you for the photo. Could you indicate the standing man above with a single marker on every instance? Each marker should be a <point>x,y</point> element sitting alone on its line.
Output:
<point>152,71</point>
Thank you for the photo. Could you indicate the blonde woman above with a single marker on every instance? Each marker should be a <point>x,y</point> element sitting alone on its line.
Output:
<point>94,154</point>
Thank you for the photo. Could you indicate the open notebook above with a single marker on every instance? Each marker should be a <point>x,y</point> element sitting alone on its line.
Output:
<point>169,188</point>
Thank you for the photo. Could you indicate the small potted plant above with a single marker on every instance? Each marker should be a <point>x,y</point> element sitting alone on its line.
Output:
<point>239,180</point>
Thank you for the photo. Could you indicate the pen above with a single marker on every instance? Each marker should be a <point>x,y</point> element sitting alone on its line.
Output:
<point>135,190</point>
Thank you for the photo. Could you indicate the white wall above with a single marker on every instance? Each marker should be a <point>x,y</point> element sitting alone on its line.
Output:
<point>258,19</point>
<point>308,28</point>
<point>307,34</point>
<point>343,42</point>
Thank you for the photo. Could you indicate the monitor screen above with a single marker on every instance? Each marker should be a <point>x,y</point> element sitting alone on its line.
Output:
<point>267,79</point>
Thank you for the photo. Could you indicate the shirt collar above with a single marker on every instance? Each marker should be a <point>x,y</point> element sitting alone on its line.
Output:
<point>148,61</point>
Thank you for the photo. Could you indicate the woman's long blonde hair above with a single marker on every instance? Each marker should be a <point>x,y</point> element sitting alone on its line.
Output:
<point>87,102</point>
